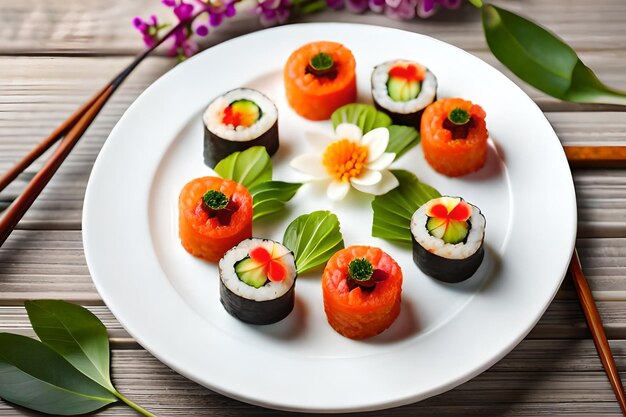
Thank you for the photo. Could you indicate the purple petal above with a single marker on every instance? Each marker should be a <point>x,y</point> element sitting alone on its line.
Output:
<point>357,6</point>
<point>169,3</point>
<point>215,19</point>
<point>335,4</point>
<point>183,11</point>
<point>230,10</point>
<point>138,22</point>
<point>202,30</point>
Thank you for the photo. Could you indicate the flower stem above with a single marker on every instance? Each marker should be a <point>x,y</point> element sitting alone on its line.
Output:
<point>133,405</point>
<point>476,3</point>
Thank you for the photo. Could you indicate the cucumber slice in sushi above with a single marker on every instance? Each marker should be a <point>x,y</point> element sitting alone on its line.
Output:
<point>403,90</point>
<point>238,120</point>
<point>258,289</point>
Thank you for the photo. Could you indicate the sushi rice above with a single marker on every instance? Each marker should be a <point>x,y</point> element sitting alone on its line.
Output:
<point>213,115</point>
<point>426,96</point>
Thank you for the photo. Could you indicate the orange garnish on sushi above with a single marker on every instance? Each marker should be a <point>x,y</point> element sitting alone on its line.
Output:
<point>408,72</point>
<point>448,219</point>
<point>275,270</point>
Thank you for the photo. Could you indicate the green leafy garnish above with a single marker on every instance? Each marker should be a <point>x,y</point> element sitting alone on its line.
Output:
<point>543,60</point>
<point>366,117</point>
<point>321,62</point>
<point>270,197</point>
<point>458,116</point>
<point>67,373</point>
<point>401,139</point>
<point>393,211</point>
<point>214,199</point>
<point>360,269</point>
<point>313,238</point>
<point>248,168</point>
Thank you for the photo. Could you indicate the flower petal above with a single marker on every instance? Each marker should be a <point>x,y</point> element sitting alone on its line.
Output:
<point>319,141</point>
<point>337,190</point>
<point>382,162</point>
<point>348,131</point>
<point>310,164</point>
<point>367,177</point>
<point>376,140</point>
<point>386,184</point>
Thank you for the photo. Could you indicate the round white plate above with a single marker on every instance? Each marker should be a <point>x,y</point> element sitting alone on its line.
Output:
<point>446,334</point>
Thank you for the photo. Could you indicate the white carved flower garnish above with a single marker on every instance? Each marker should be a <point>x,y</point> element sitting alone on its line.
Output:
<point>349,159</point>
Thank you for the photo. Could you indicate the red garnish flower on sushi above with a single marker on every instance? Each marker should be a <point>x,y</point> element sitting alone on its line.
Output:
<point>409,72</point>
<point>275,270</point>
<point>242,112</point>
<point>448,219</point>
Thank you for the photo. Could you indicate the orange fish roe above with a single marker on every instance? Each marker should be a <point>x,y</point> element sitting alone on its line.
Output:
<point>345,159</point>
<point>237,118</point>
<point>357,313</point>
<point>448,156</point>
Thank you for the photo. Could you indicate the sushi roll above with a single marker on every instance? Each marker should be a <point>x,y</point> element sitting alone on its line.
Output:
<point>361,287</point>
<point>238,120</point>
<point>454,136</point>
<point>257,281</point>
<point>448,238</point>
<point>214,214</point>
<point>319,78</point>
<point>403,89</point>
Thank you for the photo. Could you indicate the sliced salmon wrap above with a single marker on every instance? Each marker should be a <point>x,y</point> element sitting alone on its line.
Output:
<point>454,136</point>
<point>215,214</point>
<point>319,78</point>
<point>361,287</point>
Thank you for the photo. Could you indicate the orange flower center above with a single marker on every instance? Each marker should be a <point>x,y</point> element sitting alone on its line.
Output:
<point>345,159</point>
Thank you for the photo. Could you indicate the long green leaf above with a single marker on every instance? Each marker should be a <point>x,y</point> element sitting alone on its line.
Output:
<point>250,167</point>
<point>313,238</point>
<point>76,334</point>
<point>35,376</point>
<point>363,115</point>
<point>393,211</point>
<point>543,60</point>
<point>270,197</point>
<point>401,139</point>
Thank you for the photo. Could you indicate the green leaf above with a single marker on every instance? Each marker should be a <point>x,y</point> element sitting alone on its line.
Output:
<point>543,60</point>
<point>313,238</point>
<point>363,115</point>
<point>270,196</point>
<point>76,334</point>
<point>393,211</point>
<point>401,139</point>
<point>35,376</point>
<point>248,168</point>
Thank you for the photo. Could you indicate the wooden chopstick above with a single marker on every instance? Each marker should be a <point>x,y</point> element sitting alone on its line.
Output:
<point>594,321</point>
<point>596,156</point>
<point>73,129</point>
<point>38,150</point>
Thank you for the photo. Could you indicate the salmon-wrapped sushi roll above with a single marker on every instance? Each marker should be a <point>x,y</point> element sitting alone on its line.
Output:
<point>454,136</point>
<point>215,214</point>
<point>361,286</point>
<point>319,78</point>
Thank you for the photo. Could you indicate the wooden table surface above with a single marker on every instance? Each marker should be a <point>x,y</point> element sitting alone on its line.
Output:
<point>54,54</point>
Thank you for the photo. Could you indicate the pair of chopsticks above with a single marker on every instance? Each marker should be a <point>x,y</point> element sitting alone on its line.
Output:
<point>70,131</point>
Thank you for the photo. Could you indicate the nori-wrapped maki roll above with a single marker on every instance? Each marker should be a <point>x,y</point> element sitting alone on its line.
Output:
<point>257,281</point>
<point>238,120</point>
<point>403,89</point>
<point>448,238</point>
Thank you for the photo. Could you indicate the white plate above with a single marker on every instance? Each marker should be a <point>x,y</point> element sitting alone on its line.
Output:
<point>446,334</point>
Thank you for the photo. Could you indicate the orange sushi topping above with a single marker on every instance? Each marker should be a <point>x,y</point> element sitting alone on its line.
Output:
<point>345,159</point>
<point>410,72</point>
<point>274,269</point>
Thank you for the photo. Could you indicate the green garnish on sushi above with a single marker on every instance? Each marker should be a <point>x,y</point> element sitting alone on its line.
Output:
<point>321,64</point>
<point>215,200</point>
<point>459,116</point>
<point>360,269</point>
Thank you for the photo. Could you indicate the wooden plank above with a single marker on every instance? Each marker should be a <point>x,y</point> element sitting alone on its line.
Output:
<point>94,27</point>
<point>537,378</point>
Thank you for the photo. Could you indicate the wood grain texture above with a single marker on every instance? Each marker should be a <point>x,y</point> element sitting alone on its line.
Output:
<point>539,377</point>
<point>104,27</point>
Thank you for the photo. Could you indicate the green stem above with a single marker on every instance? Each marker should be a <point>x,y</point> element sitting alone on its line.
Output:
<point>477,3</point>
<point>133,405</point>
